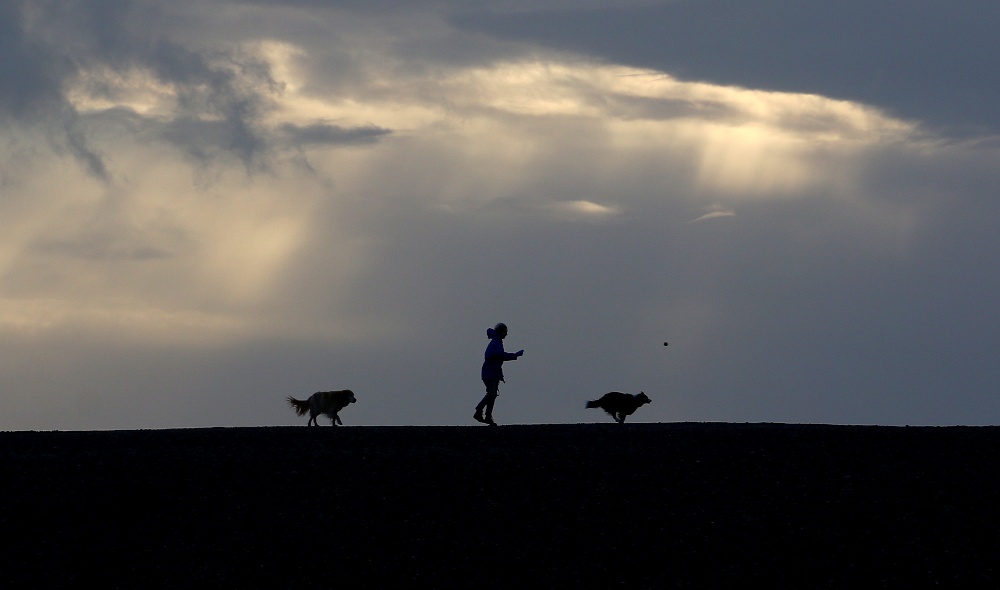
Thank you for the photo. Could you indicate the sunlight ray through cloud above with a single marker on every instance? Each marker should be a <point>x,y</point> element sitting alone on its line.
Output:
<point>744,142</point>
<point>737,142</point>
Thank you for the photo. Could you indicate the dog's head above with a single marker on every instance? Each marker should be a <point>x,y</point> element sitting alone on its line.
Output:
<point>642,398</point>
<point>350,396</point>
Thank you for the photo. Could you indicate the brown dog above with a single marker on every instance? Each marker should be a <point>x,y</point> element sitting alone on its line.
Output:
<point>619,405</point>
<point>323,402</point>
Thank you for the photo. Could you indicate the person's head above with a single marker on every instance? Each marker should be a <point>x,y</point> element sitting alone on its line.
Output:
<point>500,329</point>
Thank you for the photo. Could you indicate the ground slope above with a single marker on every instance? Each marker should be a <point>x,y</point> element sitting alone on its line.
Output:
<point>640,504</point>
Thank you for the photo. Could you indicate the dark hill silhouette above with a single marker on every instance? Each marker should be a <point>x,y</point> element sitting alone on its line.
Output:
<point>639,505</point>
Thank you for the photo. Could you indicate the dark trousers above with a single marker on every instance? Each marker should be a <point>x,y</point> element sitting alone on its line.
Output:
<point>492,392</point>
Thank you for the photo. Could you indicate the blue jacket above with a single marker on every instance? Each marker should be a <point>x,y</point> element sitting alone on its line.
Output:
<point>495,356</point>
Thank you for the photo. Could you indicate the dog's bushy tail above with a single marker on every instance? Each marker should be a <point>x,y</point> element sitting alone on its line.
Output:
<point>300,407</point>
<point>594,404</point>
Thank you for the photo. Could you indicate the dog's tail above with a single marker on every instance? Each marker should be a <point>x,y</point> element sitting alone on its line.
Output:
<point>300,407</point>
<point>594,404</point>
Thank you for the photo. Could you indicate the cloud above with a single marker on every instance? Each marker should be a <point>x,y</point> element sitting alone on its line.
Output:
<point>714,215</point>
<point>28,70</point>
<point>917,61</point>
<point>325,133</point>
<point>584,210</point>
<point>121,57</point>
<point>31,77</point>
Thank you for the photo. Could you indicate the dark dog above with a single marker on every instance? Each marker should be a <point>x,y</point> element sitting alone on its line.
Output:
<point>619,405</point>
<point>323,402</point>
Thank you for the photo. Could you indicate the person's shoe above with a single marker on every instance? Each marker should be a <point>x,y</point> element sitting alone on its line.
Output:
<point>478,417</point>
<point>489,420</point>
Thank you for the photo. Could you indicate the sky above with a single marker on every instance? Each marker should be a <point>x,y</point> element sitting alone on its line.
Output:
<point>208,206</point>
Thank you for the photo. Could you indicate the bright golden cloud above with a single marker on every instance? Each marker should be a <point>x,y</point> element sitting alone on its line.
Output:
<point>549,134</point>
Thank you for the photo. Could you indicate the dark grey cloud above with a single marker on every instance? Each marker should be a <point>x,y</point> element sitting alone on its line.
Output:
<point>207,141</point>
<point>222,99</point>
<point>31,87</point>
<point>925,59</point>
<point>45,46</point>
<point>78,144</point>
<point>29,74</point>
<point>103,247</point>
<point>328,134</point>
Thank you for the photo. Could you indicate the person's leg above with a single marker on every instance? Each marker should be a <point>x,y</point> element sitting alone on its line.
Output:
<point>487,402</point>
<point>492,392</point>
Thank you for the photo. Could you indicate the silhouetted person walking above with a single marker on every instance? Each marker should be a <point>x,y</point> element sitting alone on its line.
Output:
<point>493,371</point>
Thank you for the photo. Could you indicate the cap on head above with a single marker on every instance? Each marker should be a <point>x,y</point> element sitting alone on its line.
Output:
<point>500,327</point>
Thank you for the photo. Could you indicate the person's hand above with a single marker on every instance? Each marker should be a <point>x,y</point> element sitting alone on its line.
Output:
<point>520,352</point>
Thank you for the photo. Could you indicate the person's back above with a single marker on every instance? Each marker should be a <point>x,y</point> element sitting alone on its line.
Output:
<point>494,357</point>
